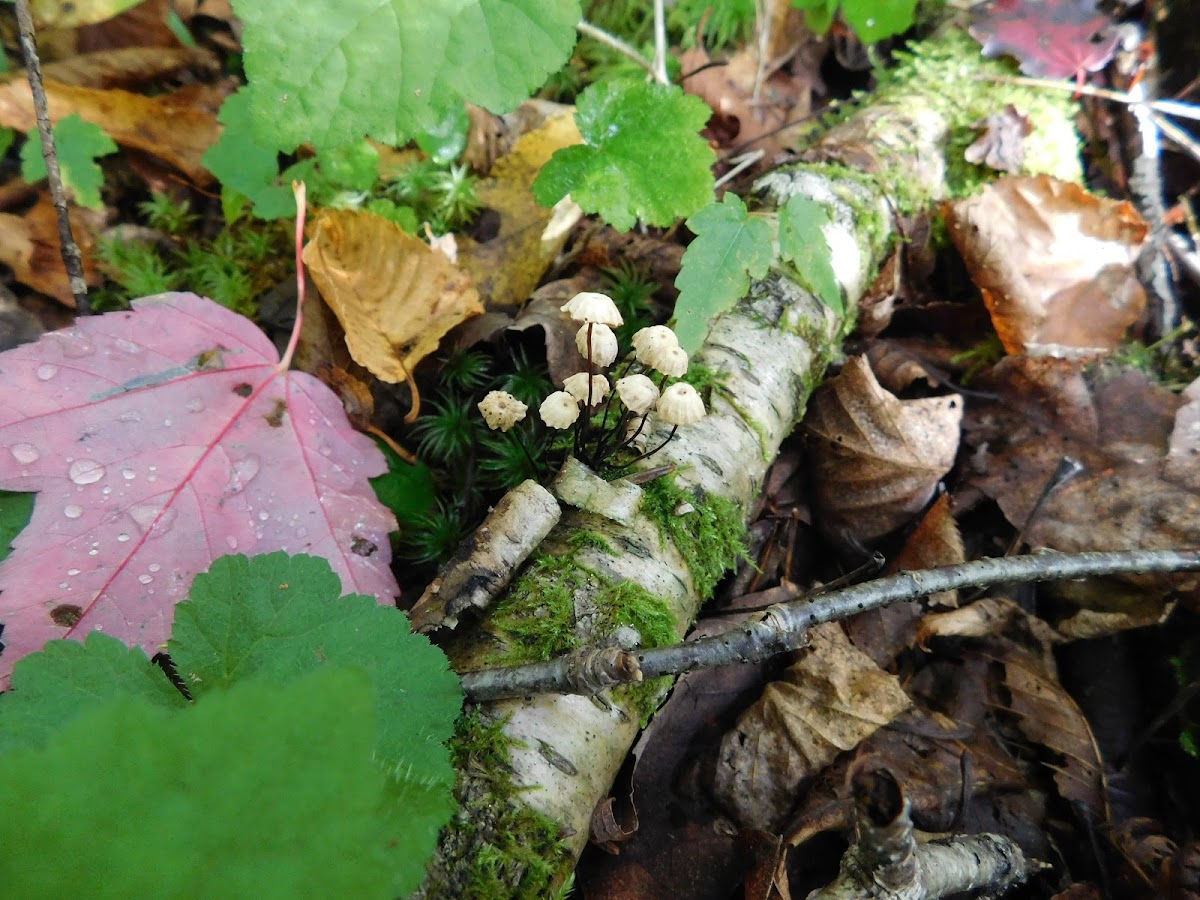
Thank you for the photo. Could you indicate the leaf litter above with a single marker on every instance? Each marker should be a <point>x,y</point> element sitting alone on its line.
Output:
<point>981,687</point>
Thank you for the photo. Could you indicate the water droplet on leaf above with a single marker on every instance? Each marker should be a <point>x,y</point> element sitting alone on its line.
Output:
<point>25,453</point>
<point>85,471</point>
<point>73,511</point>
<point>46,372</point>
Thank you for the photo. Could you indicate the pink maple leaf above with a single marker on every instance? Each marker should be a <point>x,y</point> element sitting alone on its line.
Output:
<point>1049,38</point>
<point>157,440</point>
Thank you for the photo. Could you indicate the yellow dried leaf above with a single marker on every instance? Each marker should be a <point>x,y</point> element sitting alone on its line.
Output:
<point>394,296</point>
<point>509,266</point>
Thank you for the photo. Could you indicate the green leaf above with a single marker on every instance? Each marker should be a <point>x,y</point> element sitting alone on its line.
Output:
<point>445,140</point>
<point>874,20</point>
<point>406,488</point>
<point>802,242</point>
<point>643,157</point>
<point>246,166</point>
<point>334,71</point>
<point>277,616</point>
<point>818,14</point>
<point>353,168</point>
<point>731,246</point>
<point>78,145</point>
<point>68,678</point>
<point>7,135</point>
<point>260,791</point>
<point>15,510</point>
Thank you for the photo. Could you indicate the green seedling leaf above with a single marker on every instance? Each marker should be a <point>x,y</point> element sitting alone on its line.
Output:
<point>406,488</point>
<point>245,165</point>
<point>730,248</point>
<point>7,135</point>
<point>15,510</point>
<point>446,139</point>
<point>818,14</point>
<point>68,678</point>
<point>352,168</point>
<point>334,71</point>
<point>276,616</point>
<point>78,144</point>
<point>643,158</point>
<point>874,20</point>
<point>259,791</point>
<point>802,242</point>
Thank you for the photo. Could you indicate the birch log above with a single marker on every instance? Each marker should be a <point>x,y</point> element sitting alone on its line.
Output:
<point>771,350</point>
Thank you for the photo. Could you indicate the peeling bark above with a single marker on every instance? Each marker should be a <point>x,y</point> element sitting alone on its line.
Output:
<point>770,350</point>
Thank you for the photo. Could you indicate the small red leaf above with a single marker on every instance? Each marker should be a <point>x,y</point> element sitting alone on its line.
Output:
<point>158,440</point>
<point>1049,38</point>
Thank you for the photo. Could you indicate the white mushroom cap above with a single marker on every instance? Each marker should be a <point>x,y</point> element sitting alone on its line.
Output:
<point>590,306</point>
<point>680,405</point>
<point>671,361</point>
<point>577,386</point>
<point>604,344</point>
<point>637,392</point>
<point>559,410</point>
<point>502,410</point>
<point>653,336</point>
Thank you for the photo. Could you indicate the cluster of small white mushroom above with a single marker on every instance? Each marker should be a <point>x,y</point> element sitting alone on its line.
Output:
<point>656,350</point>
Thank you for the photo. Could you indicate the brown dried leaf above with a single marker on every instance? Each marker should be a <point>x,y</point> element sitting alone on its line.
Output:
<point>29,245</point>
<point>172,127</point>
<point>394,296</point>
<point>1002,144</point>
<point>830,700</point>
<point>127,67</point>
<point>1054,264</point>
<point>1123,430</point>
<point>768,119</point>
<point>545,311</point>
<point>877,459</point>
<point>936,541</point>
<point>1049,716</point>
<point>508,266</point>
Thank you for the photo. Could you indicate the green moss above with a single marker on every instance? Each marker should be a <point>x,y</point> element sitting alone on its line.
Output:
<point>585,539</point>
<point>711,538</point>
<point>706,381</point>
<point>628,603</point>
<point>522,853</point>
<point>536,617</point>
<point>919,80</point>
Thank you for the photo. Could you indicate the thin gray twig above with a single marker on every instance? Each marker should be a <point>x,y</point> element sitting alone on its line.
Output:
<point>784,626</point>
<point>72,258</point>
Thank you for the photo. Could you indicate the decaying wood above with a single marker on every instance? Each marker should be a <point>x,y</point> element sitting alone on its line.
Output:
<point>770,351</point>
<point>887,862</point>
<point>484,565</point>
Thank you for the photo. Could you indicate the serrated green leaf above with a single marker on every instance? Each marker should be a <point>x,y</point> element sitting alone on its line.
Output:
<point>15,510</point>
<point>68,678</point>
<point>260,791</point>
<point>874,20</point>
<point>244,165</point>
<point>78,144</point>
<point>277,616</point>
<point>802,242</point>
<point>643,157</point>
<point>334,71</point>
<point>730,248</point>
